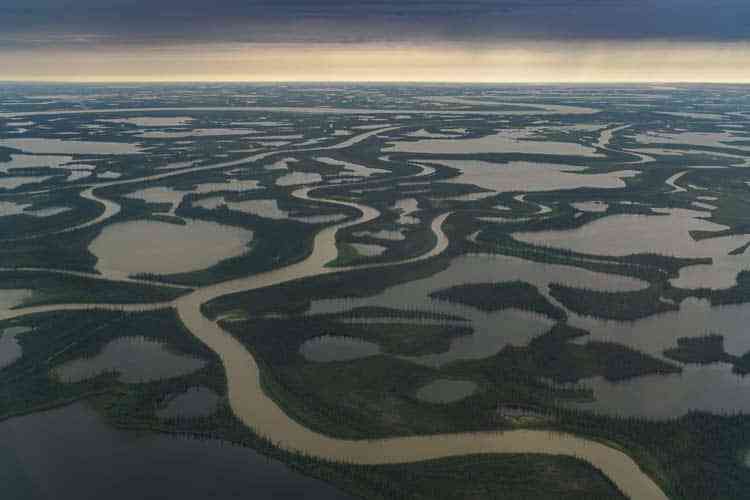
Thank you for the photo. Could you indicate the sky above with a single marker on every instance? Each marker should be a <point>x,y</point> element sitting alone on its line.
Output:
<point>376,40</point>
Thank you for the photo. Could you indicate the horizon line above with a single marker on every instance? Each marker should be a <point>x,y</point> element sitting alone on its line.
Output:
<point>395,82</point>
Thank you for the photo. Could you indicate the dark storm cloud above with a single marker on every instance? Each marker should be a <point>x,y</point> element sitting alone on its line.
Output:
<point>26,23</point>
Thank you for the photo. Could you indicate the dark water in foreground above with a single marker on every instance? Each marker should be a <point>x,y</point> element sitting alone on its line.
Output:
<point>69,453</point>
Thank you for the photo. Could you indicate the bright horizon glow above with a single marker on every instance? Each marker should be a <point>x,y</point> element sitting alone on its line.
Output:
<point>507,62</point>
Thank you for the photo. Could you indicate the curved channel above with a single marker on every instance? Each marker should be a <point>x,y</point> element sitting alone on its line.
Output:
<point>605,138</point>
<point>261,413</point>
<point>112,208</point>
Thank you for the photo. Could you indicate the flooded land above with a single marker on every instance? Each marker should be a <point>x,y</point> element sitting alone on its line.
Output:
<point>166,248</point>
<point>294,292</point>
<point>132,359</point>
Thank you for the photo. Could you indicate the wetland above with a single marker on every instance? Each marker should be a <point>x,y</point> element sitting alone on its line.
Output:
<point>385,287</point>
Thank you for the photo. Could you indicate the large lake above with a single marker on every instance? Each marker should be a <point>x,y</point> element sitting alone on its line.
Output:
<point>70,453</point>
<point>162,248</point>
<point>668,232</point>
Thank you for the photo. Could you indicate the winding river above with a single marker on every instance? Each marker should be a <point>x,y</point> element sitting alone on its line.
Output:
<point>605,139</point>
<point>112,208</point>
<point>261,413</point>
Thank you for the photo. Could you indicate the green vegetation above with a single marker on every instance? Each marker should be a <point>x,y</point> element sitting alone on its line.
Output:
<point>419,239</point>
<point>497,296</point>
<point>386,312</point>
<point>28,385</point>
<point>24,225</point>
<point>495,476</point>
<point>738,294</point>
<point>706,350</point>
<point>555,357</point>
<point>406,339</point>
<point>533,385</point>
<point>67,251</point>
<point>648,267</point>
<point>702,350</point>
<point>51,288</point>
<point>740,250</point>
<point>368,397</point>
<point>295,296</point>
<point>58,337</point>
<point>347,255</point>
<point>276,243</point>
<point>375,396</point>
<point>621,306</point>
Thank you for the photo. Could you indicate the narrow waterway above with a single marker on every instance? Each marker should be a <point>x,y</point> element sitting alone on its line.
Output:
<point>112,208</point>
<point>261,413</point>
<point>258,411</point>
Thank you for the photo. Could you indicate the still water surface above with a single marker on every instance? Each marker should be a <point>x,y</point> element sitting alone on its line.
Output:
<point>328,348</point>
<point>70,453</point>
<point>445,391</point>
<point>162,248</point>
<point>134,359</point>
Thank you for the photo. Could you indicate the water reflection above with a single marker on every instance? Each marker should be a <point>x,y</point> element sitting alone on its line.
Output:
<point>18,181</point>
<point>31,161</point>
<point>268,209</point>
<point>65,147</point>
<point>151,121</point>
<point>134,359</point>
<point>296,178</point>
<point>505,141</point>
<point>590,206</point>
<point>656,333</point>
<point>329,348</point>
<point>10,349</point>
<point>351,169</point>
<point>446,391</point>
<point>382,235</point>
<point>533,177</point>
<point>492,330</point>
<point>668,233</point>
<point>712,388</point>
<point>71,453</point>
<point>368,250</point>
<point>11,298</point>
<point>162,248</point>
<point>195,402</point>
